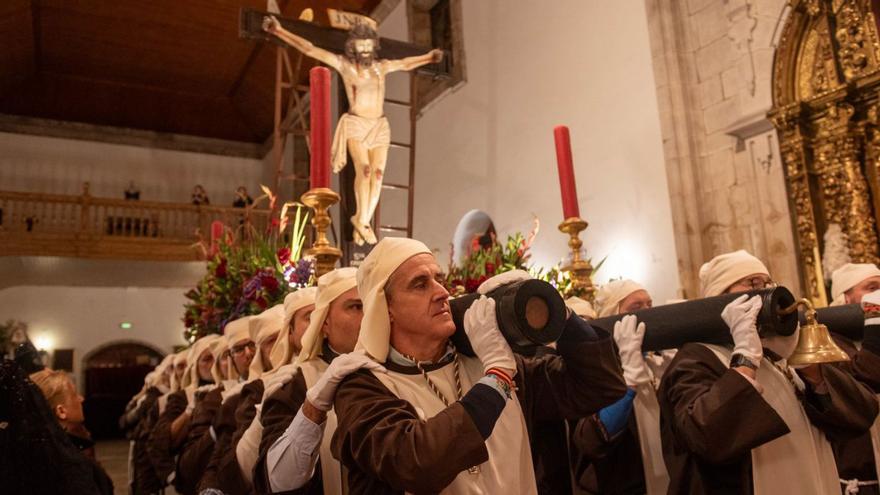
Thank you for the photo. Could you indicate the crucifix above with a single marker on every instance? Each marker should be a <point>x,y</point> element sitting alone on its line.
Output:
<point>362,132</point>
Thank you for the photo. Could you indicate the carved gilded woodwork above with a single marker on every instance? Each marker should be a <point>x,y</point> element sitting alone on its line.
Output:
<point>826,80</point>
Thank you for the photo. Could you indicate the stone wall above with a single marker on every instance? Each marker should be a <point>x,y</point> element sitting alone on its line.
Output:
<point>713,62</point>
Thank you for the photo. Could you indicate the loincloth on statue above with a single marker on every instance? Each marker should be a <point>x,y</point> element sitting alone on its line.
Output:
<point>372,133</point>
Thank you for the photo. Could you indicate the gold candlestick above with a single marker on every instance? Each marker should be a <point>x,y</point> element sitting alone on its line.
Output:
<point>326,255</point>
<point>580,269</point>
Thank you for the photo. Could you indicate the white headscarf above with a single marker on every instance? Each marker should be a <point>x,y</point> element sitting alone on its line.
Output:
<point>236,331</point>
<point>609,296</point>
<point>282,351</point>
<point>372,275</point>
<point>581,307</point>
<point>160,370</point>
<point>724,270</point>
<point>180,357</point>
<point>191,375</point>
<point>221,347</point>
<point>848,276</point>
<point>263,326</point>
<point>330,286</point>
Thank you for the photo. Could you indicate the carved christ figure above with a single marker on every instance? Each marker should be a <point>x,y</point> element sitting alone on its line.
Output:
<point>363,132</point>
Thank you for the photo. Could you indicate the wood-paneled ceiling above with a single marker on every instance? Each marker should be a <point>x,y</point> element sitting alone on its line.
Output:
<point>168,66</point>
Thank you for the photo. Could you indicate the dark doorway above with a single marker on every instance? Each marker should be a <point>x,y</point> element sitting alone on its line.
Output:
<point>113,374</point>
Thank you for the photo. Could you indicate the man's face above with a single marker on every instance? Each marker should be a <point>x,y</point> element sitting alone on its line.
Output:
<point>636,301</point>
<point>204,364</point>
<point>242,354</point>
<point>364,51</point>
<point>343,321</point>
<point>418,303</point>
<point>867,286</point>
<point>754,281</point>
<point>298,325</point>
<point>266,351</point>
<point>179,368</point>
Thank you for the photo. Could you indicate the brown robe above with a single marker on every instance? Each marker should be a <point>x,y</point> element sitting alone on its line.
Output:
<point>224,426</point>
<point>159,445</point>
<point>229,475</point>
<point>278,411</point>
<point>607,464</point>
<point>711,417</point>
<point>144,476</point>
<point>855,456</point>
<point>199,444</point>
<point>386,448</point>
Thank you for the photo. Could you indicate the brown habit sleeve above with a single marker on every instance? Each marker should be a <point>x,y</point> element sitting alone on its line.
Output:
<point>224,426</point>
<point>159,445</point>
<point>384,444</point>
<point>716,413</point>
<point>229,475</point>
<point>199,444</point>
<point>278,411</point>
<point>583,378</point>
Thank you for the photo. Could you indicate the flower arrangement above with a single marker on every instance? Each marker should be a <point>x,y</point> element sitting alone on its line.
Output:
<point>248,271</point>
<point>483,262</point>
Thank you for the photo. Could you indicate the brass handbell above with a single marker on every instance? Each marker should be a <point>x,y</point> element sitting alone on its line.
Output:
<point>814,345</point>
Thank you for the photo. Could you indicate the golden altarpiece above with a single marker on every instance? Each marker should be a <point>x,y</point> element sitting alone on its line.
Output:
<point>826,110</point>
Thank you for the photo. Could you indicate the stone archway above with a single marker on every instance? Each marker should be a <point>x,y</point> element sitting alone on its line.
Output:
<point>113,373</point>
<point>826,77</point>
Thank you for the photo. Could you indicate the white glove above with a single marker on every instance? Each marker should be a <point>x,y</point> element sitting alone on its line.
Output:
<point>629,335</point>
<point>741,316</point>
<point>489,345</point>
<point>502,279</point>
<point>279,378</point>
<point>322,393</point>
<point>871,305</point>
<point>190,399</point>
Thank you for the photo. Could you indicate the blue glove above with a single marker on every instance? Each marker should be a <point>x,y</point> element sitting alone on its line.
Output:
<point>615,416</point>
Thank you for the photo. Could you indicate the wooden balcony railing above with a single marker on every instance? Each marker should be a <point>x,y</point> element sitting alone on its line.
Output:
<point>36,224</point>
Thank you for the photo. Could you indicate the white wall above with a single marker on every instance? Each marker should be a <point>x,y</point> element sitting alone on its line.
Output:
<point>84,318</point>
<point>489,145</point>
<point>60,166</point>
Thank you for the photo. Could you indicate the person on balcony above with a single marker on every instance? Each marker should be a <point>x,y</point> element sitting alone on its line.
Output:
<point>199,196</point>
<point>132,193</point>
<point>242,198</point>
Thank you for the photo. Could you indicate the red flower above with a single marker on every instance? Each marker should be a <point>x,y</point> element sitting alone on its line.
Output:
<point>220,269</point>
<point>490,268</point>
<point>262,303</point>
<point>472,284</point>
<point>284,255</point>
<point>269,282</point>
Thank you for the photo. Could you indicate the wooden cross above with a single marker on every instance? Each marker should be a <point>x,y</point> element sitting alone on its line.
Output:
<point>332,39</point>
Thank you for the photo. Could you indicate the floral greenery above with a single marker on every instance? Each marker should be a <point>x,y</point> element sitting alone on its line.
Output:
<point>484,262</point>
<point>247,272</point>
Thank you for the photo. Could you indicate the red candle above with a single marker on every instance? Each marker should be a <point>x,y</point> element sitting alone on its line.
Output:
<point>566,172</point>
<point>319,120</point>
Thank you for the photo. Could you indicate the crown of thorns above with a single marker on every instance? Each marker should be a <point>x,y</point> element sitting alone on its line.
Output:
<point>361,31</point>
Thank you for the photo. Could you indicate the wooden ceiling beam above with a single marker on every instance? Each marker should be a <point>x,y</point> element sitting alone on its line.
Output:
<point>132,137</point>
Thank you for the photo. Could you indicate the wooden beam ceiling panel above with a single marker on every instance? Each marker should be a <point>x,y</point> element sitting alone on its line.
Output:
<point>16,43</point>
<point>62,97</point>
<point>167,66</point>
<point>185,46</point>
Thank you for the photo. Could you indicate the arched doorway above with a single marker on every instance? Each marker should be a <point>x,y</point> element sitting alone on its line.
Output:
<point>826,110</point>
<point>113,374</point>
